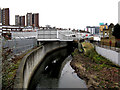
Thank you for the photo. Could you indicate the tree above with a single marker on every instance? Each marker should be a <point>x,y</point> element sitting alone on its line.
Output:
<point>116,31</point>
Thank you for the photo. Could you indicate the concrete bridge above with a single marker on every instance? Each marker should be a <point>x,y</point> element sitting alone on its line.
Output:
<point>55,35</point>
<point>32,60</point>
<point>44,33</point>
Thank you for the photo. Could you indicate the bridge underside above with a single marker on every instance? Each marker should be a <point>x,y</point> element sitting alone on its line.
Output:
<point>48,39</point>
<point>52,40</point>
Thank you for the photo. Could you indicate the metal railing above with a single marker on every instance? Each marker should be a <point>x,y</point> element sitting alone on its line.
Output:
<point>117,49</point>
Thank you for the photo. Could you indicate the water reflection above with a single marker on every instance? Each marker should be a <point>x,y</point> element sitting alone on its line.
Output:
<point>69,78</point>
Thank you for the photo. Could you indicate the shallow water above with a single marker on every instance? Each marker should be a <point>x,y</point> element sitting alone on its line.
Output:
<point>69,79</point>
<point>56,72</point>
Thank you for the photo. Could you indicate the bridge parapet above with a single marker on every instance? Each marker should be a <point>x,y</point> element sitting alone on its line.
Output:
<point>54,35</point>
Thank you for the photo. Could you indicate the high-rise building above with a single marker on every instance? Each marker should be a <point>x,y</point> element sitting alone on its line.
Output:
<point>22,20</point>
<point>36,19</point>
<point>119,12</point>
<point>32,19</point>
<point>17,20</point>
<point>0,15</point>
<point>29,19</point>
<point>4,16</point>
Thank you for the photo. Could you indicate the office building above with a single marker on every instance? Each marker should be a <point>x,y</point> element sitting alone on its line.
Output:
<point>4,16</point>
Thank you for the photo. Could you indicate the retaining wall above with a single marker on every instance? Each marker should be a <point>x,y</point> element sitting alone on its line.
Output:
<point>109,54</point>
<point>31,61</point>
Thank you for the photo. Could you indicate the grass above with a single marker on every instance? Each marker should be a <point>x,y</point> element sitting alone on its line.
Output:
<point>87,47</point>
<point>9,71</point>
<point>103,71</point>
<point>75,52</point>
<point>96,58</point>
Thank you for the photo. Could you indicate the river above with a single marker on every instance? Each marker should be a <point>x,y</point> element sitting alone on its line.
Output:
<point>55,72</point>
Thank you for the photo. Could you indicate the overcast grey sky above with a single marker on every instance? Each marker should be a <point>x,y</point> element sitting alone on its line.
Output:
<point>65,13</point>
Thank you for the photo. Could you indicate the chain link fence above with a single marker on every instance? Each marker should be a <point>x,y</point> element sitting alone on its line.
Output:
<point>17,46</point>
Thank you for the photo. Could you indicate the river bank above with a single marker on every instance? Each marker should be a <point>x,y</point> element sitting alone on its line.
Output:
<point>97,71</point>
<point>9,68</point>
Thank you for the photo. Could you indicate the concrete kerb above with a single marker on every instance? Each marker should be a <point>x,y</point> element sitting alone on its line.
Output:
<point>18,84</point>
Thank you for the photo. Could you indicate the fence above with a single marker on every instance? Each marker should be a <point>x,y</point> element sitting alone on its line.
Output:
<point>47,34</point>
<point>19,45</point>
<point>23,34</point>
<point>117,49</point>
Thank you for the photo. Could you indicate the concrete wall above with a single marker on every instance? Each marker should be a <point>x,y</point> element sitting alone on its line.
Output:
<point>31,61</point>
<point>109,54</point>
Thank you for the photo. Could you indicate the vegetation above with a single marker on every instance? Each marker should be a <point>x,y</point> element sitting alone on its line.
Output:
<point>87,47</point>
<point>100,60</point>
<point>97,71</point>
<point>10,67</point>
<point>116,31</point>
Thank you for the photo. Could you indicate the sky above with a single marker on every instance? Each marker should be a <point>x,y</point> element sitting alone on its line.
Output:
<point>74,14</point>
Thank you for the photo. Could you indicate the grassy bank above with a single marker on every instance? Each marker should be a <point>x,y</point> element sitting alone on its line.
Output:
<point>97,71</point>
<point>9,68</point>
